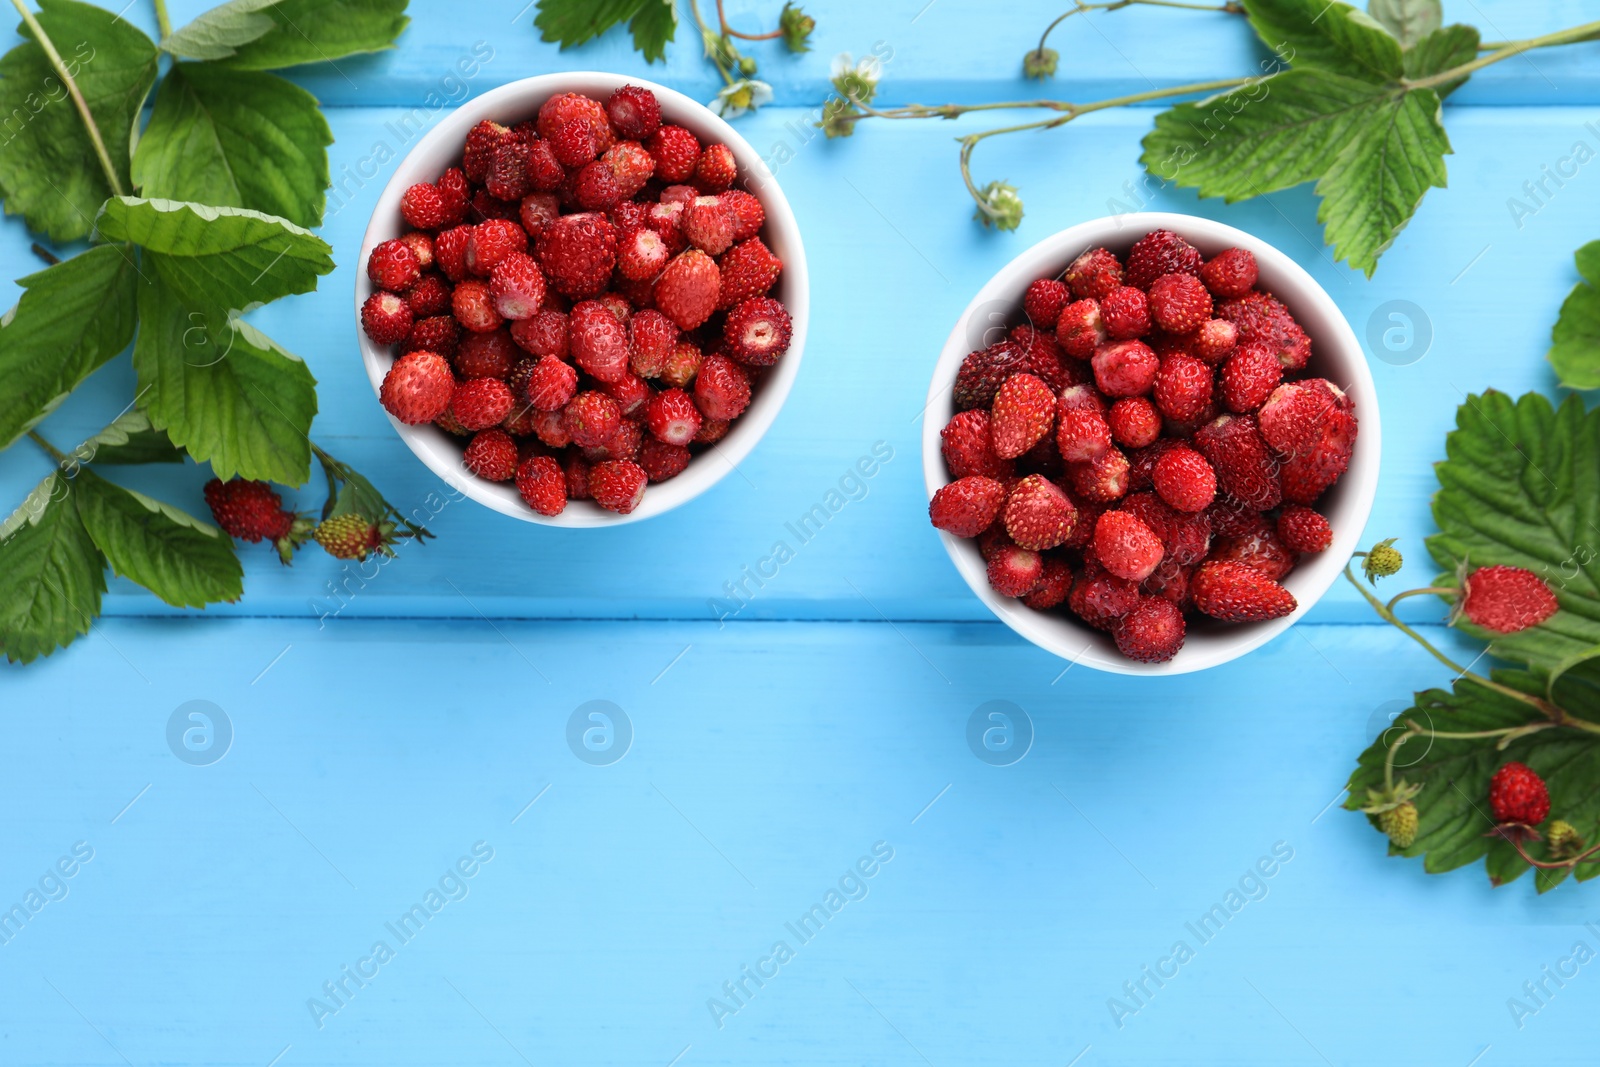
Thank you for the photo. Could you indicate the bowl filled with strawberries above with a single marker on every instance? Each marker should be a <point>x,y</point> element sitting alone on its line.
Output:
<point>577,286</point>
<point>1151,443</point>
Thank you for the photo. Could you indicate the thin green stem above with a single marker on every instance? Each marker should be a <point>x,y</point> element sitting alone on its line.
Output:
<point>78,101</point>
<point>705,35</point>
<point>55,453</point>
<point>1430,590</point>
<point>163,23</point>
<point>1550,865</point>
<point>1079,8</point>
<point>1506,51</point>
<point>45,254</point>
<point>729,31</point>
<point>1071,110</point>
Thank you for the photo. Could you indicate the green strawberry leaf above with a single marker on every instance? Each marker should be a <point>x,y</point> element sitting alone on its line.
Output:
<point>48,169</point>
<point>1326,35</point>
<point>1454,819</point>
<point>236,138</point>
<point>1440,50</point>
<point>573,22</point>
<point>51,574</point>
<point>213,257</point>
<point>218,33</point>
<point>128,440</point>
<point>72,318</point>
<point>1373,149</point>
<point>1575,340</point>
<point>222,390</point>
<point>1521,487</point>
<point>304,31</point>
<point>1408,20</point>
<point>185,562</point>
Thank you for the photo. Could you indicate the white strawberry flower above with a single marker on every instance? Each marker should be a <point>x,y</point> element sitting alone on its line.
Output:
<point>746,94</point>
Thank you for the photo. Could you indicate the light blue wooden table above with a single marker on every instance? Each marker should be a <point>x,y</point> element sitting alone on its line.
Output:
<point>416,739</point>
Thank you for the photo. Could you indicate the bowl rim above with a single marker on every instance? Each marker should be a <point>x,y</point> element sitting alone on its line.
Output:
<point>441,452</point>
<point>1337,345</point>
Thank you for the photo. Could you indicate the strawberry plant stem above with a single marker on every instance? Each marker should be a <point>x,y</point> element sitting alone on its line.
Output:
<point>1232,7</point>
<point>77,97</point>
<point>162,22</point>
<point>706,37</point>
<point>1551,865</point>
<point>729,31</point>
<point>54,452</point>
<point>1506,51</point>
<point>1434,590</point>
<point>45,254</point>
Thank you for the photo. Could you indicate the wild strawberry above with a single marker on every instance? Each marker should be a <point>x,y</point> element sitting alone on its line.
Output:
<point>721,389</point>
<point>596,187</point>
<point>712,431</point>
<point>632,393</point>
<point>1152,632</point>
<point>708,224</point>
<point>1125,312</point>
<point>672,417</point>
<point>666,216</point>
<point>421,245</point>
<point>715,170</point>
<point>1125,546</point>
<point>591,418</point>
<point>683,365</point>
<point>661,461</point>
<point>1245,467</point>
<point>748,214</point>
<point>424,207</point>
<point>642,253</point>
<point>1102,479</point>
<point>676,151</point>
<point>1023,412</point>
<point>1081,435</point>
<point>1014,571</point>
<point>1094,274</point>
<point>1234,592</point>
<point>480,403</point>
<point>757,331</point>
<point>1248,378</point>
<point>386,318</point>
<point>1518,795</point>
<point>634,112</point>
<point>651,337</point>
<point>485,207</point>
<point>429,297</point>
<point>1170,581</point>
<point>679,197</point>
<point>967,506</point>
<point>417,388</point>
<point>474,307</point>
<point>507,176</point>
<point>523,422</point>
<point>617,485</point>
<point>450,251</point>
<point>576,142</point>
<point>551,384</point>
<point>1214,341</point>
<point>1125,368</point>
<point>1160,252</point>
<point>1303,530</point>
<point>517,286</point>
<point>1080,328</point>
<point>252,511</point>
<point>1179,303</point>
<point>545,172</point>
<point>353,537</point>
<point>688,289</point>
<point>482,141</point>
<point>1230,274</point>
<point>491,455</point>
<point>624,444</point>
<point>1134,422</point>
<point>1080,397</point>
<point>631,165</point>
<point>967,448</point>
<point>1230,518</point>
<point>437,333</point>
<point>1260,317</point>
<point>1259,548</point>
<point>543,334</point>
<point>393,266</point>
<point>577,253</point>
<point>1038,514</point>
<point>542,485</point>
<point>486,355</point>
<point>491,242</point>
<point>1044,300</point>
<point>1296,415</point>
<point>1182,388</point>
<point>1055,582</point>
<point>599,342</point>
<point>980,375</point>
<point>1506,599</point>
<point>1184,479</point>
<point>1099,597</point>
<point>1303,479</point>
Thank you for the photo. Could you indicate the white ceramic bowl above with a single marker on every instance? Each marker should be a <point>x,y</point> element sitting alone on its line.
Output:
<point>440,148</point>
<point>1336,354</point>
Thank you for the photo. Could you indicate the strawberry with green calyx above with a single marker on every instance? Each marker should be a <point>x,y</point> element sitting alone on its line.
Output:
<point>1382,560</point>
<point>253,511</point>
<point>351,536</point>
<point>1562,839</point>
<point>356,519</point>
<point>1393,811</point>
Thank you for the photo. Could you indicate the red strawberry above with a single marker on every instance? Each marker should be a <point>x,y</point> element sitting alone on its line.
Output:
<point>1248,378</point>
<point>480,403</point>
<point>1214,341</point>
<point>1506,599</point>
<point>491,455</point>
<point>1179,303</point>
<point>708,224</point>
<point>551,384</point>
<point>393,266</point>
<point>748,214</point>
<point>651,338</point>
<point>1014,571</point>
<point>596,187</point>
<point>1230,274</point>
<point>538,210</point>
<point>591,418</point>
<point>617,485</point>
<point>429,297</point>
<point>482,141</point>
<point>545,172</point>
<point>1080,328</point>
<point>634,112</point>
<point>1234,592</point>
<point>1099,598</point>
<point>1157,253</point>
<point>486,355</point>
<point>757,331</point>
<point>599,342</point>
<point>1230,518</point>
<point>1125,312</point>
<point>1125,546</point>
<point>1094,274</point>
<point>688,289</point>
<point>252,511</point>
<point>386,318</point>
<point>577,142</point>
<point>507,176</point>
<point>1183,388</point>
<point>551,427</point>
<point>1102,479</point>
<point>967,506</point>
<point>631,165</point>
<point>1023,412</point>
<point>642,253</point>
<point>542,484</point>
<point>517,286</point>
<point>1259,547</point>
<point>473,306</point>
<point>982,371</point>
<point>968,449</point>
<point>1044,300</point>
<point>491,242</point>
<point>1081,435</point>
<point>676,151</point>
<point>577,253</point>
<point>722,388</point>
<point>1125,368</point>
<point>632,393</point>
<point>1518,795</point>
<point>1184,479</point>
<point>622,445</point>
<point>715,170</point>
<point>1245,468</point>
<point>438,333</point>
<point>1134,422</point>
<point>1260,317</point>
<point>450,252</point>
<point>1038,514</point>
<point>683,364</point>
<point>1303,530</point>
<point>747,269</point>
<point>1055,582</point>
<point>1296,415</point>
<point>662,461</point>
<point>577,472</point>
<point>1152,632</point>
<point>1170,581</point>
<point>544,334</point>
<point>426,208</point>
<point>672,417</point>
<point>417,388</point>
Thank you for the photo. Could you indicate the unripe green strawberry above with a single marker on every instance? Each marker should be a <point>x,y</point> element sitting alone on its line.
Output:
<point>1562,839</point>
<point>1400,823</point>
<point>350,536</point>
<point>1382,561</point>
